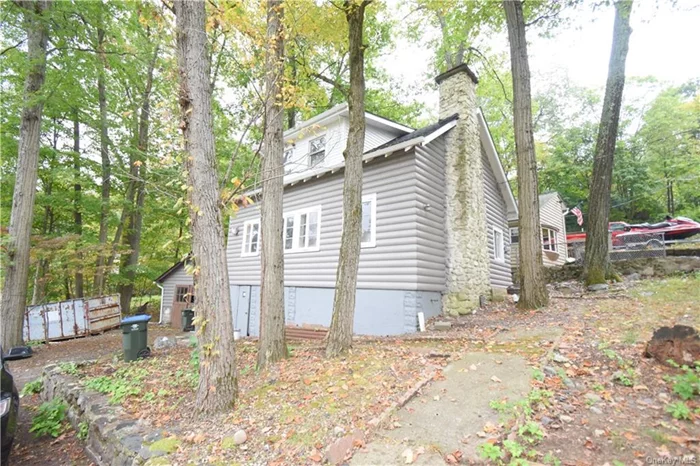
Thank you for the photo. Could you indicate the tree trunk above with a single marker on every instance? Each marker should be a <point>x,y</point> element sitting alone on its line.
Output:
<point>340,334</point>
<point>596,259</point>
<point>218,386</point>
<point>14,296</point>
<point>533,288</point>
<point>271,345</point>
<point>77,208</point>
<point>98,287</point>
<point>138,190</point>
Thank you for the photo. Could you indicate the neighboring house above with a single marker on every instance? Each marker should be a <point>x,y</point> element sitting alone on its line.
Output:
<point>434,219</point>
<point>177,293</point>
<point>554,248</point>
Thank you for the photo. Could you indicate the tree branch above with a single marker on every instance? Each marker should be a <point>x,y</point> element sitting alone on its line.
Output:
<point>12,47</point>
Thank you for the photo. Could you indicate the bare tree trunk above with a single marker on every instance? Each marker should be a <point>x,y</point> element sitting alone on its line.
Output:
<point>98,287</point>
<point>596,259</point>
<point>77,207</point>
<point>14,296</point>
<point>138,190</point>
<point>271,345</point>
<point>533,288</point>
<point>340,334</point>
<point>218,385</point>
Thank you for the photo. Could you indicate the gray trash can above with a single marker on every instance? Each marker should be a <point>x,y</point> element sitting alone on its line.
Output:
<point>135,337</point>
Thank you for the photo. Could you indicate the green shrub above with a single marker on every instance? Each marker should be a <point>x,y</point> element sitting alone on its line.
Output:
<point>679,410</point>
<point>687,384</point>
<point>49,419</point>
<point>33,387</point>
<point>490,452</point>
<point>83,429</point>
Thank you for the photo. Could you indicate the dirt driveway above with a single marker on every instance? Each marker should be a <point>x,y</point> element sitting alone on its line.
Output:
<point>66,449</point>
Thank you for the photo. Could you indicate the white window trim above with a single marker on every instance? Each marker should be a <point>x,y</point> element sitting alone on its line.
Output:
<point>501,259</point>
<point>325,144</point>
<point>245,238</point>
<point>556,239</point>
<point>295,235</point>
<point>372,198</point>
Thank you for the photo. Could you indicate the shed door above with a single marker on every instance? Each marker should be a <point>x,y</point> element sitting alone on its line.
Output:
<point>184,299</point>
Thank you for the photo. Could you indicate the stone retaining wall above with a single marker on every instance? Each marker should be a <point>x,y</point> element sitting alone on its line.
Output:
<point>114,438</point>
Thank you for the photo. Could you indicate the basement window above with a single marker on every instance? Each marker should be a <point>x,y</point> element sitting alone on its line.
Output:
<point>251,238</point>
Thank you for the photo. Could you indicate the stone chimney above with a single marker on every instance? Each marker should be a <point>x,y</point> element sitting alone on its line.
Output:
<point>465,209</point>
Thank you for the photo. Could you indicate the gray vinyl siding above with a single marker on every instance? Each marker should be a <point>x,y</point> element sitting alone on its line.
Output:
<point>496,216</point>
<point>390,265</point>
<point>178,277</point>
<point>430,226</point>
<point>375,135</point>
<point>551,217</point>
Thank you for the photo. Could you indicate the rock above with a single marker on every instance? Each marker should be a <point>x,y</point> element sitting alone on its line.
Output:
<point>598,287</point>
<point>592,397</point>
<point>679,343</point>
<point>560,358</point>
<point>569,383</point>
<point>565,418</point>
<point>596,410</point>
<point>442,325</point>
<point>545,421</point>
<point>633,277</point>
<point>189,340</point>
<point>568,408</point>
<point>648,272</point>
<point>338,450</point>
<point>338,430</point>
<point>240,437</point>
<point>164,343</point>
<point>550,371</point>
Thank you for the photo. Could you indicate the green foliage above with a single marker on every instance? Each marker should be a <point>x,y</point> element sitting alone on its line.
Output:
<point>125,382</point>
<point>531,431</point>
<point>69,368</point>
<point>515,449</point>
<point>490,452</point>
<point>687,384</point>
<point>549,458</point>
<point>83,430</point>
<point>49,418</point>
<point>33,387</point>
<point>679,410</point>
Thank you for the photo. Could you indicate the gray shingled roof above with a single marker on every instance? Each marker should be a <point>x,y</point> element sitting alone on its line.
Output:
<point>425,131</point>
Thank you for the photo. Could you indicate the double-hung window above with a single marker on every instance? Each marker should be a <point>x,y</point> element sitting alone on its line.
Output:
<point>498,245</point>
<point>549,239</point>
<point>317,151</point>
<point>251,238</point>
<point>369,221</point>
<point>302,230</point>
<point>514,236</point>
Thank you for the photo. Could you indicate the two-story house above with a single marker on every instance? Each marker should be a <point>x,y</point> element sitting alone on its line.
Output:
<point>434,219</point>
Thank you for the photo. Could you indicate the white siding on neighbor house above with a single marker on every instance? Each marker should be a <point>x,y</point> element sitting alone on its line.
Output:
<point>430,228</point>
<point>390,265</point>
<point>336,133</point>
<point>496,217</point>
<point>552,216</point>
<point>178,277</point>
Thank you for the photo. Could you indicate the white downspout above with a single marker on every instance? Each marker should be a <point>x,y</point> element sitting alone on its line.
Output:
<point>160,320</point>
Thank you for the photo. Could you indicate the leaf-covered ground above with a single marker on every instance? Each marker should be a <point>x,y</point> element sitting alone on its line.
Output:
<point>596,400</point>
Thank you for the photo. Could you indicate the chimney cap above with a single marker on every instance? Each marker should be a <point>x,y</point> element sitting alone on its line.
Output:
<point>463,68</point>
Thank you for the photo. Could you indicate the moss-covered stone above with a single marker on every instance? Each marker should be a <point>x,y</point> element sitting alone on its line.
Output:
<point>168,445</point>
<point>228,443</point>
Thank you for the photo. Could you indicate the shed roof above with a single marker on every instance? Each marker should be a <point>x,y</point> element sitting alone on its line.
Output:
<point>171,270</point>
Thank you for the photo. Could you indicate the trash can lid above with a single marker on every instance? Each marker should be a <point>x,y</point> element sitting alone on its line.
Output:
<point>136,319</point>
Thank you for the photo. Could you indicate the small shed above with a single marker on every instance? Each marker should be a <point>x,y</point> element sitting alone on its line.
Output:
<point>554,247</point>
<point>177,293</point>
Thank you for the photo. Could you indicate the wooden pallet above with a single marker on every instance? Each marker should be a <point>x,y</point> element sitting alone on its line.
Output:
<point>305,333</point>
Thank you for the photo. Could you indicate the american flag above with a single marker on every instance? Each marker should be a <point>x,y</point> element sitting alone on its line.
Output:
<point>579,215</point>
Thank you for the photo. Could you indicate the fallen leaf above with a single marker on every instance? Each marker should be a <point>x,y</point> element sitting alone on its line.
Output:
<point>472,367</point>
<point>408,456</point>
<point>316,458</point>
<point>450,459</point>
<point>495,379</point>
